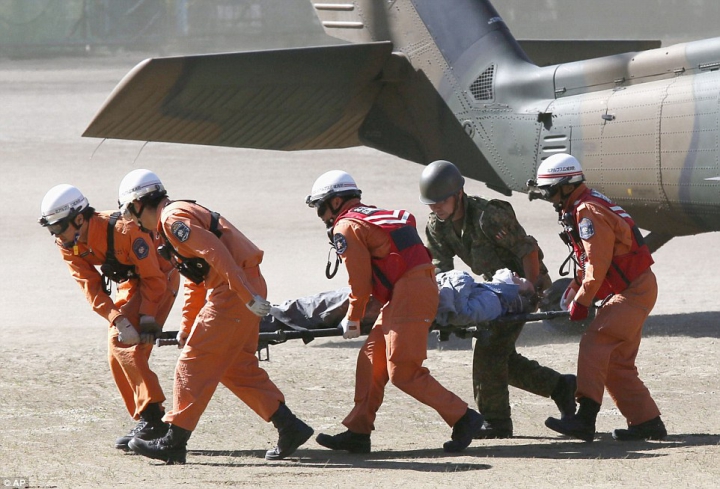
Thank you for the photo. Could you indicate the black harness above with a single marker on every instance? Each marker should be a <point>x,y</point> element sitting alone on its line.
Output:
<point>194,269</point>
<point>112,270</point>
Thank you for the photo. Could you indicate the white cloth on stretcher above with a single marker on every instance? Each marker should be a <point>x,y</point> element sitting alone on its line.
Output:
<point>464,301</point>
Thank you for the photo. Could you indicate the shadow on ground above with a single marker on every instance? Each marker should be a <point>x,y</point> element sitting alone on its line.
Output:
<point>692,325</point>
<point>434,460</point>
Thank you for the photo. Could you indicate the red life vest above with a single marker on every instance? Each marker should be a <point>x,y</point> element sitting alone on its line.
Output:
<point>623,268</point>
<point>407,250</point>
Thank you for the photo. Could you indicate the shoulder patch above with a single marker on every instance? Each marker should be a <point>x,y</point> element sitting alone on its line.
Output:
<point>180,230</point>
<point>340,243</point>
<point>586,228</point>
<point>140,248</point>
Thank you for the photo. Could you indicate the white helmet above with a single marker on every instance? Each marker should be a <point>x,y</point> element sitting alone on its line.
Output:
<point>331,184</point>
<point>559,169</point>
<point>138,184</point>
<point>60,205</point>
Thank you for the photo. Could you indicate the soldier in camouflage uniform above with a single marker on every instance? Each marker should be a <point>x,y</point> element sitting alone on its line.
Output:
<point>486,235</point>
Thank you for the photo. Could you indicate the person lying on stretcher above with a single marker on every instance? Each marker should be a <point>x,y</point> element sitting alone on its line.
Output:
<point>462,302</point>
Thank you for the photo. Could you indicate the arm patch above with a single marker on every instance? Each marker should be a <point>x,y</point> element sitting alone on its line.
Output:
<point>140,248</point>
<point>340,243</point>
<point>180,230</point>
<point>586,229</point>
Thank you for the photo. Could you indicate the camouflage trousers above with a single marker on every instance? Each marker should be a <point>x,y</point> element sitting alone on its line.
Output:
<point>497,364</point>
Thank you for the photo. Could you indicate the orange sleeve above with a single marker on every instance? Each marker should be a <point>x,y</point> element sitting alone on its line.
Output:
<point>135,247</point>
<point>91,283</point>
<point>610,236</point>
<point>200,242</point>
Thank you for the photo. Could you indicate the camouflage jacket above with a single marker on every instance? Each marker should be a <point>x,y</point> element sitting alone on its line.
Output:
<point>491,239</point>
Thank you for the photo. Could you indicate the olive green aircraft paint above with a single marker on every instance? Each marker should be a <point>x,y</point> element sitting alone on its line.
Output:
<point>426,80</point>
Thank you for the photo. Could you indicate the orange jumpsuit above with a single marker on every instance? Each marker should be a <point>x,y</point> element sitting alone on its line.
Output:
<point>153,294</point>
<point>610,344</point>
<point>223,332</point>
<point>397,344</point>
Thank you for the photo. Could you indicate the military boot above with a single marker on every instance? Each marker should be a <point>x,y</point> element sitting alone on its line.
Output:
<point>293,433</point>
<point>649,430</point>
<point>564,395</point>
<point>150,426</point>
<point>347,440</point>
<point>464,430</point>
<point>580,425</point>
<point>495,428</point>
<point>171,448</point>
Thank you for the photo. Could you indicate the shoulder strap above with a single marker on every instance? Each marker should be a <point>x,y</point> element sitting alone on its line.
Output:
<point>112,270</point>
<point>214,223</point>
<point>214,218</point>
<point>110,255</point>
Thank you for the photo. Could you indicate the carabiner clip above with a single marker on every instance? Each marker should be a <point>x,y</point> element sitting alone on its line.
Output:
<point>328,273</point>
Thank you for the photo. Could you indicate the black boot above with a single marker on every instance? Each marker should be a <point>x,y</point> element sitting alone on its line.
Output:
<point>150,426</point>
<point>347,440</point>
<point>564,395</point>
<point>463,432</point>
<point>649,430</point>
<point>580,425</point>
<point>495,428</point>
<point>171,448</point>
<point>293,433</point>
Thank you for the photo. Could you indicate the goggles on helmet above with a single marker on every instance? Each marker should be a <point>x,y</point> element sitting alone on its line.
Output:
<point>128,211</point>
<point>544,192</point>
<point>320,205</point>
<point>56,228</point>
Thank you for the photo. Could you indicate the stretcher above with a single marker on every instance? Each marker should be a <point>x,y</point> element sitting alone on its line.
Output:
<point>319,316</point>
<point>267,338</point>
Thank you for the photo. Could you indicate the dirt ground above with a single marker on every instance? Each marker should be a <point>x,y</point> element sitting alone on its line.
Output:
<point>60,411</point>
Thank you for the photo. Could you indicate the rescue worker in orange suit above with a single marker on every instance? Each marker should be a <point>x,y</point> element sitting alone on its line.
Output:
<point>146,291</point>
<point>614,267</point>
<point>224,301</point>
<point>385,257</point>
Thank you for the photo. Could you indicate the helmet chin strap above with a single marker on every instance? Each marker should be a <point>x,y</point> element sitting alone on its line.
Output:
<point>560,206</point>
<point>330,270</point>
<point>76,237</point>
<point>138,216</point>
<point>330,223</point>
<point>71,244</point>
<point>143,228</point>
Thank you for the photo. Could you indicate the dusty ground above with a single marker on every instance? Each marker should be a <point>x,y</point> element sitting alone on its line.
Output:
<point>60,412</point>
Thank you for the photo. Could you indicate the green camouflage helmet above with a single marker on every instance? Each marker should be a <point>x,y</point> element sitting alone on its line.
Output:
<point>439,180</point>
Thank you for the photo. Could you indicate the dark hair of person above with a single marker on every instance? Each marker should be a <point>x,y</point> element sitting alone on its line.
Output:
<point>87,212</point>
<point>153,199</point>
